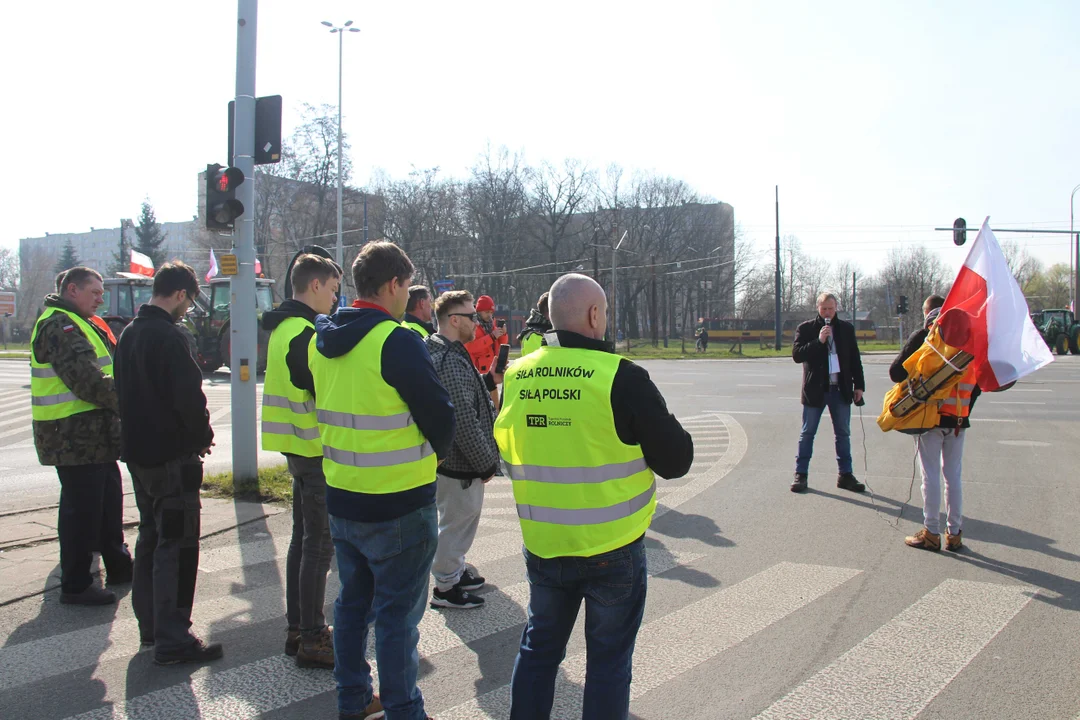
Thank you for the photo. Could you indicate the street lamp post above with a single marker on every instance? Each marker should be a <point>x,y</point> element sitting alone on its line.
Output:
<point>1074,267</point>
<point>341,49</point>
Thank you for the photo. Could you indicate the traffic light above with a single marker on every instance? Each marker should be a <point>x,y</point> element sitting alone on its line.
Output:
<point>222,207</point>
<point>959,231</point>
<point>902,306</point>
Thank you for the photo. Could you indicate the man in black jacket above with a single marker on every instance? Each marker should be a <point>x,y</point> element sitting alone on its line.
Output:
<point>832,377</point>
<point>165,431</point>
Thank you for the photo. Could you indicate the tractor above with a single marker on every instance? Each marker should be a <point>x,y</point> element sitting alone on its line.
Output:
<point>124,295</point>
<point>208,323</point>
<point>1059,330</point>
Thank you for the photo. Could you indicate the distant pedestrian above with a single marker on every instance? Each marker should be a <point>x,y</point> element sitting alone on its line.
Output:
<point>166,433</point>
<point>385,421</point>
<point>76,427</point>
<point>833,378</point>
<point>490,334</point>
<point>473,459</point>
<point>582,432</point>
<point>536,327</point>
<point>290,426</point>
<point>418,311</point>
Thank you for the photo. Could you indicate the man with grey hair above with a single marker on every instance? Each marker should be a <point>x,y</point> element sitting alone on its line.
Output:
<point>833,378</point>
<point>582,432</point>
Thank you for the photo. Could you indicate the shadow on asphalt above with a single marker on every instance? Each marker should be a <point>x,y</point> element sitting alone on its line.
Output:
<point>984,532</point>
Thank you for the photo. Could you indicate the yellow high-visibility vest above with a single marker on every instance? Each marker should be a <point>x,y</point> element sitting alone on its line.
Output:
<point>50,398</point>
<point>370,442</point>
<point>289,423</point>
<point>580,491</point>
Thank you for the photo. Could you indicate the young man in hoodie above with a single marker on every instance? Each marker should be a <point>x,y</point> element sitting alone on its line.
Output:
<point>289,426</point>
<point>484,348</point>
<point>473,459</point>
<point>385,422</point>
<point>535,327</point>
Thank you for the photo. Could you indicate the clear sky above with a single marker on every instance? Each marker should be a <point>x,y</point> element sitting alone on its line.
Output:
<point>878,120</point>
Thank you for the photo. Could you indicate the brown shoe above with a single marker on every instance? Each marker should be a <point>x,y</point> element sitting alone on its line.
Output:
<point>924,539</point>
<point>374,711</point>
<point>292,641</point>
<point>317,652</point>
<point>952,542</point>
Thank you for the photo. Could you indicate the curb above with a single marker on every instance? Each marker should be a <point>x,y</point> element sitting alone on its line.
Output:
<point>51,587</point>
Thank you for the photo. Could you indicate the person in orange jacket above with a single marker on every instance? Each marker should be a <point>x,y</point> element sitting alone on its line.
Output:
<point>484,347</point>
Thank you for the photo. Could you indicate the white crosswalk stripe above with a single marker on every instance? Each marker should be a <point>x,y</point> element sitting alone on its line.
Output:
<point>950,624</point>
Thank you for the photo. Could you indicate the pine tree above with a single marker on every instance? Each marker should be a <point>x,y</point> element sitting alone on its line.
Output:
<point>122,258</point>
<point>68,259</point>
<point>149,238</point>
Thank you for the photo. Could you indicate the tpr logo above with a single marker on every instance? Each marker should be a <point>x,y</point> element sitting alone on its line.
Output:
<point>536,420</point>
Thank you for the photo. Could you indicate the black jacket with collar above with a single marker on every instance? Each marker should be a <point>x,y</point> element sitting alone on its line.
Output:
<point>163,413</point>
<point>641,414</point>
<point>814,356</point>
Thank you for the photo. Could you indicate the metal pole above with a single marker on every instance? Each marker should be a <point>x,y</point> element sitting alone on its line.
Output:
<point>340,246</point>
<point>614,295</point>
<point>779,325</point>
<point>242,322</point>
<point>854,304</point>
<point>1074,270</point>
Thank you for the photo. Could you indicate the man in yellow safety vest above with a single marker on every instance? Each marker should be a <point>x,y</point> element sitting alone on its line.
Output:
<point>289,426</point>
<point>582,432</point>
<point>385,421</point>
<point>76,425</point>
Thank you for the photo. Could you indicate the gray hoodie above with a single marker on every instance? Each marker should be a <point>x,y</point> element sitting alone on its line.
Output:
<point>474,453</point>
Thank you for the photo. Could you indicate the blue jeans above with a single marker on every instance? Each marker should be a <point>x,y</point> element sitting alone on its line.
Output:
<point>383,568</point>
<point>613,586</point>
<point>840,412</point>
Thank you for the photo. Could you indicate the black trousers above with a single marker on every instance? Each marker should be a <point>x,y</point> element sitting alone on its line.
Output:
<point>91,518</point>
<point>167,552</point>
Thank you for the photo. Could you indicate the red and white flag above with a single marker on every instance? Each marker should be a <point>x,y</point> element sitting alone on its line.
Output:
<point>258,267</point>
<point>213,271</point>
<point>141,264</point>
<point>1003,340</point>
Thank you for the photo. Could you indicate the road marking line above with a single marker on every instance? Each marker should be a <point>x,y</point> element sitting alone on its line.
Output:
<point>950,624</point>
<point>700,631</point>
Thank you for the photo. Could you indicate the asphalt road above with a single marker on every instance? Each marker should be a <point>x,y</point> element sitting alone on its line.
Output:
<point>762,604</point>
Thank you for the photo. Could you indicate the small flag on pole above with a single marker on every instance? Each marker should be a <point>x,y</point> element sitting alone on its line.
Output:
<point>213,272</point>
<point>141,264</point>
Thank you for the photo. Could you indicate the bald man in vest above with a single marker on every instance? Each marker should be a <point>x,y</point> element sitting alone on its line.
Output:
<point>582,432</point>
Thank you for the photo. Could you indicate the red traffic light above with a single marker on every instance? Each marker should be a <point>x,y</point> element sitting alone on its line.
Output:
<point>228,179</point>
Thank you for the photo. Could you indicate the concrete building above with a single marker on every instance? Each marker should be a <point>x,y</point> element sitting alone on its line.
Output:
<point>98,248</point>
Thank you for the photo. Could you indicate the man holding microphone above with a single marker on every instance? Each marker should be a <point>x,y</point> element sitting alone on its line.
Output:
<point>833,378</point>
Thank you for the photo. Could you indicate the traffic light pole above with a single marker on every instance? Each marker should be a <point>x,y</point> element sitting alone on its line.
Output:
<point>242,322</point>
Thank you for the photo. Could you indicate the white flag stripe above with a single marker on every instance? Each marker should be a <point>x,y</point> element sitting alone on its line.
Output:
<point>682,640</point>
<point>903,665</point>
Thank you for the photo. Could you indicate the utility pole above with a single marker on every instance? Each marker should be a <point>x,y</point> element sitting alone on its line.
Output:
<point>654,318</point>
<point>854,308</point>
<point>242,323</point>
<point>779,325</point>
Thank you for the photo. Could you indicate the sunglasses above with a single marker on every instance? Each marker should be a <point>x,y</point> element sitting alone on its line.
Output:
<point>472,316</point>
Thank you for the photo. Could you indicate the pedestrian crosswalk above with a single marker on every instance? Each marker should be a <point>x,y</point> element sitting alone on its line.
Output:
<point>90,667</point>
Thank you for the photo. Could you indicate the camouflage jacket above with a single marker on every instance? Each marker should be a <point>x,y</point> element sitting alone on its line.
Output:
<point>85,438</point>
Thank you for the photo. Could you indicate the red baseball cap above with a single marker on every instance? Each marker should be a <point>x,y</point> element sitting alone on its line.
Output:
<point>484,304</point>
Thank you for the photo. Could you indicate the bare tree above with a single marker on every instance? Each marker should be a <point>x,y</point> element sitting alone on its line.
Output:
<point>9,269</point>
<point>556,198</point>
<point>36,280</point>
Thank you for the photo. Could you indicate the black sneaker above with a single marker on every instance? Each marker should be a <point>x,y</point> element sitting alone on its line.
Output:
<point>92,595</point>
<point>470,580</point>
<point>847,481</point>
<point>455,597</point>
<point>197,652</point>
<point>799,484</point>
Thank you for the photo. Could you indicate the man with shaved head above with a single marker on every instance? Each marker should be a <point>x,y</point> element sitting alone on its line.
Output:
<point>582,432</point>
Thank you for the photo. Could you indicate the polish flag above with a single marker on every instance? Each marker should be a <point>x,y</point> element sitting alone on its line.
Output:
<point>212,273</point>
<point>1004,342</point>
<point>258,267</point>
<point>141,264</point>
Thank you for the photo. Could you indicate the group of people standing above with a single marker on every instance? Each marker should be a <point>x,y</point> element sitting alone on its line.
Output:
<point>392,427</point>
